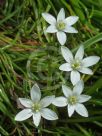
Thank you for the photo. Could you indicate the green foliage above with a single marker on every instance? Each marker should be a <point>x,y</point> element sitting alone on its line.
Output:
<point>29,55</point>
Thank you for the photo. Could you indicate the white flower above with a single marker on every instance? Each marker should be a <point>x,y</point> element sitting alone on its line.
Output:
<point>61,25</point>
<point>73,99</point>
<point>36,107</point>
<point>77,64</point>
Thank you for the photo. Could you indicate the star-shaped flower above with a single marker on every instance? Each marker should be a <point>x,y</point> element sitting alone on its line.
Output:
<point>61,25</point>
<point>73,99</point>
<point>36,107</point>
<point>77,64</point>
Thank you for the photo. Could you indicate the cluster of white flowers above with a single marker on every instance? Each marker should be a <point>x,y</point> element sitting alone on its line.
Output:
<point>73,99</point>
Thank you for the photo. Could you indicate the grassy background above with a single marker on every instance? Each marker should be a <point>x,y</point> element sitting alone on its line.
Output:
<point>28,55</point>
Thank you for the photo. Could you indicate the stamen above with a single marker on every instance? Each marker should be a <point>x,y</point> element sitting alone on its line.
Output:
<point>76,64</point>
<point>72,100</point>
<point>61,25</point>
<point>36,107</point>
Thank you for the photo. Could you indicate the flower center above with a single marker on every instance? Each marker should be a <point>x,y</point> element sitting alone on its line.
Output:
<point>76,64</point>
<point>36,107</point>
<point>72,100</point>
<point>61,25</point>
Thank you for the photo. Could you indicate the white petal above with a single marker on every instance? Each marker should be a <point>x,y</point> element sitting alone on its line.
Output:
<point>61,15</point>
<point>86,71</point>
<point>66,90</point>
<point>23,115</point>
<point>26,102</point>
<point>48,114</point>
<point>80,109</point>
<point>70,29</point>
<point>65,67</point>
<point>35,93</point>
<point>49,18</point>
<point>71,20</point>
<point>67,54</point>
<point>78,88</point>
<point>46,101</point>
<point>83,98</point>
<point>51,29</point>
<point>80,53</point>
<point>60,101</point>
<point>36,118</point>
<point>71,109</point>
<point>75,77</point>
<point>89,61</point>
<point>61,36</point>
